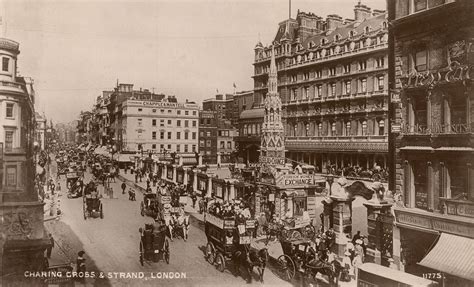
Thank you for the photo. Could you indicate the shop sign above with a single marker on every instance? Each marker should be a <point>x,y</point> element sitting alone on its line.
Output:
<point>433,223</point>
<point>250,224</point>
<point>229,224</point>
<point>461,209</point>
<point>272,160</point>
<point>298,179</point>
<point>396,128</point>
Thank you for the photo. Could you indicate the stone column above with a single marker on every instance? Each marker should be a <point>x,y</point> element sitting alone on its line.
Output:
<point>180,160</point>
<point>164,169</point>
<point>174,173</point>
<point>342,220</point>
<point>378,211</point>
<point>195,180</point>
<point>185,177</point>
<point>200,160</point>
<point>209,187</point>
<point>231,191</point>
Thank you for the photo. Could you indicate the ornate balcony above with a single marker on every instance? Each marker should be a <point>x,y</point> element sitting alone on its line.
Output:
<point>372,143</point>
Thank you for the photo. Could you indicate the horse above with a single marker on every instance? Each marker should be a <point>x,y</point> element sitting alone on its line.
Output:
<point>181,226</point>
<point>247,258</point>
<point>332,270</point>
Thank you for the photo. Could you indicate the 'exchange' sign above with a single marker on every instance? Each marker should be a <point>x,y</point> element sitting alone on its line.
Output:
<point>299,179</point>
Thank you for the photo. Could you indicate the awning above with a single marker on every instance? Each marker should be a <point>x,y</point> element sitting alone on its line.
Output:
<point>453,255</point>
<point>427,148</point>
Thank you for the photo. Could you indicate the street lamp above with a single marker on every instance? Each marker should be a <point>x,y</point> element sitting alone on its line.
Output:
<point>330,180</point>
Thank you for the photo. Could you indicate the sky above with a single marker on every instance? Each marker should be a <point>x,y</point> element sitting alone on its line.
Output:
<point>75,49</point>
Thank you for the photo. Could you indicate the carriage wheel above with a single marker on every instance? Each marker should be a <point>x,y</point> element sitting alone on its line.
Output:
<point>167,252</point>
<point>141,252</point>
<point>210,253</point>
<point>101,212</point>
<point>220,261</point>
<point>295,234</point>
<point>286,267</point>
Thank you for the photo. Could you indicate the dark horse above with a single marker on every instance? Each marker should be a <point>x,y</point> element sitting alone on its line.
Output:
<point>248,259</point>
<point>332,270</point>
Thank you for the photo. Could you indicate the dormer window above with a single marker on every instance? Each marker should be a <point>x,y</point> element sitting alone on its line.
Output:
<point>352,33</point>
<point>367,29</point>
<point>311,44</point>
<point>300,47</point>
<point>324,41</point>
<point>337,37</point>
<point>384,25</point>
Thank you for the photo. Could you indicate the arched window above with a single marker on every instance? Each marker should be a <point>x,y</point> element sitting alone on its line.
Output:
<point>362,130</point>
<point>347,128</point>
<point>333,129</point>
<point>367,29</point>
<point>384,25</point>
<point>352,33</point>
<point>295,130</point>
<point>245,130</point>
<point>306,130</point>
<point>337,37</point>
<point>324,41</point>
<point>249,129</point>
<point>320,129</point>
<point>381,127</point>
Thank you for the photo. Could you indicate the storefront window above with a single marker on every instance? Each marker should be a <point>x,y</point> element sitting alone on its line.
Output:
<point>420,184</point>
<point>299,206</point>
<point>457,181</point>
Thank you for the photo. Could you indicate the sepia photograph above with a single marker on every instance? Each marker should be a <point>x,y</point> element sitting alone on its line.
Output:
<point>286,143</point>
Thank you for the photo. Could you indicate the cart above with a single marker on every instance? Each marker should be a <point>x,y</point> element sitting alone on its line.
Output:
<point>220,240</point>
<point>299,257</point>
<point>92,207</point>
<point>154,245</point>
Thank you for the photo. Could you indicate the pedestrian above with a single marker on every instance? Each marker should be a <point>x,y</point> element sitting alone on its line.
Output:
<point>147,183</point>
<point>194,199</point>
<point>356,262</point>
<point>125,168</point>
<point>356,237</point>
<point>81,265</point>
<point>50,247</point>
<point>136,176</point>
<point>347,267</point>
<point>124,186</point>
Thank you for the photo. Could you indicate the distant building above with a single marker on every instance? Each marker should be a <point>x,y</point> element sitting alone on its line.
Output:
<point>208,135</point>
<point>434,128</point>
<point>242,101</point>
<point>40,130</point>
<point>223,105</point>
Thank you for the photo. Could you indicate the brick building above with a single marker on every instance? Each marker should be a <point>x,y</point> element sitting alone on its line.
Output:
<point>332,79</point>
<point>434,59</point>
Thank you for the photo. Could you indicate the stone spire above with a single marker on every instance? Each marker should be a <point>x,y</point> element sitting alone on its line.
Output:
<point>272,140</point>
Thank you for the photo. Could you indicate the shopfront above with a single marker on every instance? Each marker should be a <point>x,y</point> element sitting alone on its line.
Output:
<point>202,182</point>
<point>180,175</point>
<point>169,172</point>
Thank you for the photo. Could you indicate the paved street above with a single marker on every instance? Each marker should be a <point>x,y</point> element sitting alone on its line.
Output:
<point>112,245</point>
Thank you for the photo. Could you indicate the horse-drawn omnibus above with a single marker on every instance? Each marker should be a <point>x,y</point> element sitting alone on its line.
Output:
<point>371,274</point>
<point>228,240</point>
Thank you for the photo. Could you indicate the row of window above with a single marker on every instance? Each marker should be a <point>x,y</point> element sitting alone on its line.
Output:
<point>169,122</point>
<point>222,144</point>
<point>169,135</point>
<point>344,88</point>
<point>337,128</point>
<point>175,147</point>
<point>178,112</point>
<point>406,7</point>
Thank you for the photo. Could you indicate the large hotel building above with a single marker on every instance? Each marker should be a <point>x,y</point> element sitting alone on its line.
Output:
<point>332,79</point>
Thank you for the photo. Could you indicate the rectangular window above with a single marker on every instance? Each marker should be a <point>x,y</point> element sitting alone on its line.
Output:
<point>186,113</point>
<point>154,110</point>
<point>169,135</point>
<point>153,123</point>
<point>194,113</point>
<point>5,64</point>
<point>420,5</point>
<point>299,206</point>
<point>347,68</point>
<point>178,123</point>
<point>363,85</point>
<point>8,140</point>
<point>420,111</point>
<point>186,135</point>
<point>421,61</point>
<point>222,144</point>
<point>169,122</point>
<point>169,147</point>
<point>319,91</point>
<point>201,143</point>
<point>201,133</point>
<point>208,143</point>
<point>139,122</point>
<point>319,74</point>
<point>306,92</point>
<point>162,147</point>
<point>162,111</point>
<point>186,123</point>
<point>178,148</point>
<point>229,145</point>
<point>185,148</point>
<point>208,134</point>
<point>9,111</point>
<point>153,135</point>
<point>162,135</point>
<point>140,109</point>
<point>380,83</point>
<point>380,62</point>
<point>458,181</point>
<point>194,136</point>
<point>178,135</point>
<point>169,111</point>
<point>153,146</point>
<point>11,176</point>
<point>332,71</point>
<point>420,177</point>
<point>347,88</point>
<point>178,112</point>
<point>362,65</point>
<point>193,148</point>
<point>194,123</point>
<point>162,123</point>
<point>333,89</point>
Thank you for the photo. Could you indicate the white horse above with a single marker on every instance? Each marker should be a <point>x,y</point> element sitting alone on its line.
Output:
<point>181,225</point>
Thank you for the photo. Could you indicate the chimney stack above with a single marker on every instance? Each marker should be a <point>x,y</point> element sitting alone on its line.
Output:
<point>361,12</point>
<point>333,21</point>
<point>377,12</point>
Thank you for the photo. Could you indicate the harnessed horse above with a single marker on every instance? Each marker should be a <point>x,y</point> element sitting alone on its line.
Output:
<point>249,259</point>
<point>181,226</point>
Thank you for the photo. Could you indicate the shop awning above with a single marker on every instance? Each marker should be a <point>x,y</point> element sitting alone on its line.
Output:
<point>453,255</point>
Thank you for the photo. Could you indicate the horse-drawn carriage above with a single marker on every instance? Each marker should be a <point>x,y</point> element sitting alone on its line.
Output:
<point>296,228</point>
<point>92,206</point>
<point>300,257</point>
<point>154,245</point>
<point>229,241</point>
<point>150,205</point>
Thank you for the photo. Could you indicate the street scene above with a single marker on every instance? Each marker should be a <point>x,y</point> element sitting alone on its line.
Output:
<point>237,143</point>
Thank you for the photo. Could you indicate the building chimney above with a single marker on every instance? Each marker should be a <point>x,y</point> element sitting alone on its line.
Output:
<point>333,21</point>
<point>361,12</point>
<point>348,21</point>
<point>377,12</point>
